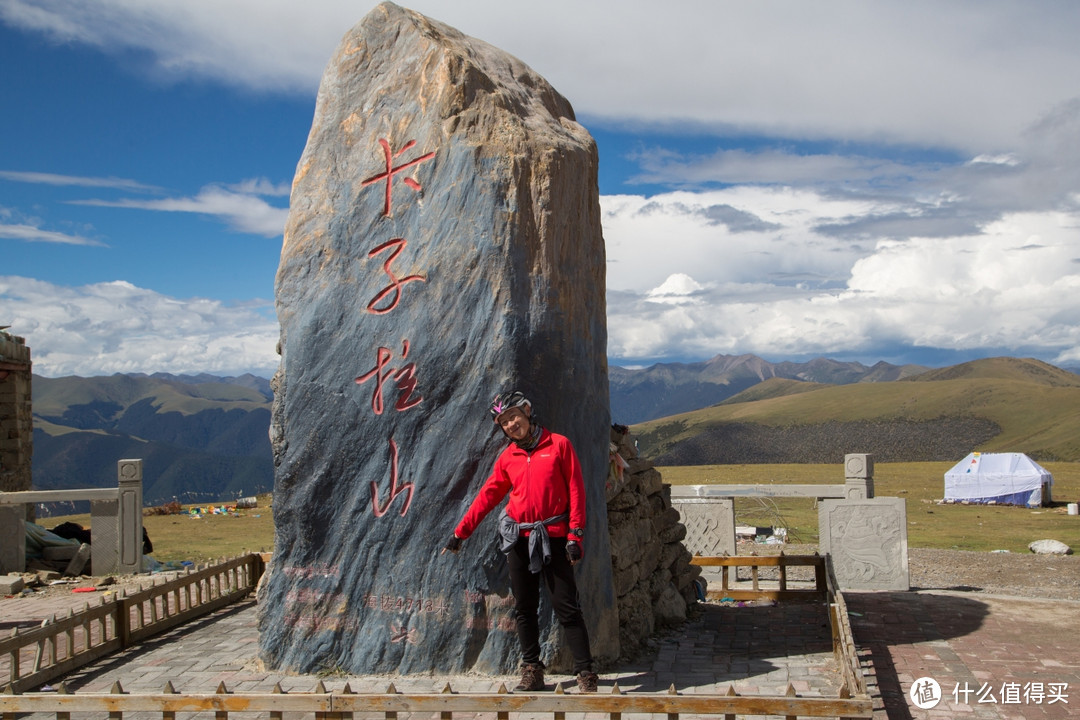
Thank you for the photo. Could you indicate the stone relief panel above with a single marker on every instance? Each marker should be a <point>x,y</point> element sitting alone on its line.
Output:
<point>710,525</point>
<point>867,540</point>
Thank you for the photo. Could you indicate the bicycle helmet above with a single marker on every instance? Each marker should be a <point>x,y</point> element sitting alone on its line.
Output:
<point>505,401</point>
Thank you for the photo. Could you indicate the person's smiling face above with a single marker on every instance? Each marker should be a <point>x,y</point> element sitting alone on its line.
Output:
<point>515,423</point>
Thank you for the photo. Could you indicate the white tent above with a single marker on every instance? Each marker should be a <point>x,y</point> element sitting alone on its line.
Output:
<point>1002,478</point>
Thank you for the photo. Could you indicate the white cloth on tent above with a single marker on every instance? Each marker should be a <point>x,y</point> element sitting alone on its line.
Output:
<point>985,476</point>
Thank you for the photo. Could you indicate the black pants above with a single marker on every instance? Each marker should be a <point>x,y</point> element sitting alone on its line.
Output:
<point>558,576</point>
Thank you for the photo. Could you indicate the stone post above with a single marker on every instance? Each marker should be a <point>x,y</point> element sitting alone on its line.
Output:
<point>16,416</point>
<point>117,524</point>
<point>858,476</point>
<point>130,479</point>
<point>16,447</point>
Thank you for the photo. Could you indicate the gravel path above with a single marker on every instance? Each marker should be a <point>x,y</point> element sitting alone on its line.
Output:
<point>1052,577</point>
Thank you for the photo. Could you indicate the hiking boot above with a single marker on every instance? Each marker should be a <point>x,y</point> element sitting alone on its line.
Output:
<point>532,677</point>
<point>586,681</point>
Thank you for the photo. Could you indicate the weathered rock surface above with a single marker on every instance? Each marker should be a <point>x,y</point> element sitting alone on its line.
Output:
<point>1049,547</point>
<point>443,244</point>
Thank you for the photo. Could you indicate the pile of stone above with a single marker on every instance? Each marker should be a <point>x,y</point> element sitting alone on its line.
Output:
<point>652,574</point>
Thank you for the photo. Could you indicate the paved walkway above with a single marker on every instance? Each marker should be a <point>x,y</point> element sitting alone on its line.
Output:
<point>1022,653</point>
<point>756,649</point>
<point>1013,654</point>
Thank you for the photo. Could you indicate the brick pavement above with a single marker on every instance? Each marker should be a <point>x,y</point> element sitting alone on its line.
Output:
<point>984,643</point>
<point>756,649</point>
<point>955,638</point>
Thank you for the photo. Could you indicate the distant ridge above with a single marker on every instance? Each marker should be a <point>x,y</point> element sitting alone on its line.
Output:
<point>996,404</point>
<point>1004,368</point>
<point>202,438</point>
<point>671,388</point>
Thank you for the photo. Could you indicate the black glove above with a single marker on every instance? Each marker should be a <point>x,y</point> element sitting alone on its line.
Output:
<point>453,545</point>
<point>574,552</point>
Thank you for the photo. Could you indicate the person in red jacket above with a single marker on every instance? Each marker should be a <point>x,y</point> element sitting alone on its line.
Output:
<point>542,531</point>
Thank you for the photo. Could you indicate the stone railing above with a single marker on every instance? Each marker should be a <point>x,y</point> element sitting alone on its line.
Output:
<point>865,535</point>
<point>33,657</point>
<point>115,520</point>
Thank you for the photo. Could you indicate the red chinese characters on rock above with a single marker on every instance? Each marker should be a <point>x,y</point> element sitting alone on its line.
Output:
<point>398,244</point>
<point>395,489</point>
<point>405,376</point>
<point>391,171</point>
<point>383,302</point>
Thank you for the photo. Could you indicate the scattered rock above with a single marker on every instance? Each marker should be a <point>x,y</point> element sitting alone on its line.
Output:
<point>1049,547</point>
<point>670,607</point>
<point>11,584</point>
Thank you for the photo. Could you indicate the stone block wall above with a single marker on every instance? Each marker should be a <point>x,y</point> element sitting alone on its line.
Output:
<point>16,419</point>
<point>653,577</point>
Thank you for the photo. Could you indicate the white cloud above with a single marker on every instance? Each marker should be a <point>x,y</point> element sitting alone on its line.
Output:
<point>969,75</point>
<point>74,180</point>
<point>1011,287</point>
<point>32,233</point>
<point>113,327</point>
<point>804,251</point>
<point>678,289</point>
<point>261,186</point>
<point>242,210</point>
<point>650,239</point>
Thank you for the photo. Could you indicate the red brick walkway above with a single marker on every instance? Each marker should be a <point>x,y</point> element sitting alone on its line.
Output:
<point>1020,658</point>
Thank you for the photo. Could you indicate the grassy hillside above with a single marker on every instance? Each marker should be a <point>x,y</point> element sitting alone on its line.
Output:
<point>1000,404</point>
<point>642,394</point>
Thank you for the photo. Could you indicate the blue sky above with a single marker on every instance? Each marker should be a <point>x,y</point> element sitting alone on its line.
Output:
<point>891,181</point>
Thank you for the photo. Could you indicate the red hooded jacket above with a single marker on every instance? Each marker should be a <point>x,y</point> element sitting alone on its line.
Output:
<point>542,482</point>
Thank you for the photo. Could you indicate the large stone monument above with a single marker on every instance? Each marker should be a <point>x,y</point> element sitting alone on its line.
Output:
<point>443,244</point>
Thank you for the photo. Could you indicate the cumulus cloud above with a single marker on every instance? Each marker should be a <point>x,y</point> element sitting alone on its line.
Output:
<point>967,75</point>
<point>1009,288</point>
<point>940,209</point>
<point>113,327</point>
<point>239,206</point>
<point>650,239</point>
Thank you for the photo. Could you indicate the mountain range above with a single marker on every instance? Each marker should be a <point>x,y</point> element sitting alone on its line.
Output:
<point>202,438</point>
<point>640,394</point>
<point>205,438</point>
<point>994,405</point>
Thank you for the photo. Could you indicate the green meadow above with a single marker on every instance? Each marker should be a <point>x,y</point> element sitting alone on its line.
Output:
<point>957,527</point>
<point>960,527</point>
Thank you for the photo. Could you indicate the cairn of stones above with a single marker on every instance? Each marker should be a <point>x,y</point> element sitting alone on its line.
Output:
<point>654,580</point>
